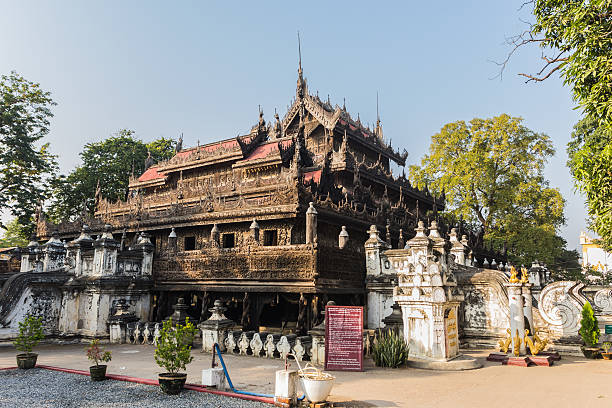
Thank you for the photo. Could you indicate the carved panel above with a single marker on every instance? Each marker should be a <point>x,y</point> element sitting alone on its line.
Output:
<point>560,306</point>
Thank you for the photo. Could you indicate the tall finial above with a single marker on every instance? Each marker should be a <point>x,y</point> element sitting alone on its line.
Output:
<point>378,128</point>
<point>300,51</point>
<point>377,115</point>
<point>301,84</point>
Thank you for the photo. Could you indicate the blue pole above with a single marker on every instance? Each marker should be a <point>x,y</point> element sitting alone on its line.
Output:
<point>229,380</point>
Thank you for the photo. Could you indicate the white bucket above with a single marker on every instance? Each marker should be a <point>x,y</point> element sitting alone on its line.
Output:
<point>316,384</point>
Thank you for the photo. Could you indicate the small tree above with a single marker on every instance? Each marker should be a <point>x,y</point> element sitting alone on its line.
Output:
<point>173,350</point>
<point>95,353</point>
<point>589,328</point>
<point>30,334</point>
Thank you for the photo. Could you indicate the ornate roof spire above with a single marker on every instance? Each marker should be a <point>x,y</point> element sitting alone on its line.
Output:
<point>300,53</point>
<point>149,160</point>
<point>378,129</point>
<point>302,89</point>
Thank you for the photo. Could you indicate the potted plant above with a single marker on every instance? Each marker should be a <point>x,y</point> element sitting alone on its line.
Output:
<point>173,353</point>
<point>589,330</point>
<point>96,354</point>
<point>606,346</point>
<point>30,334</point>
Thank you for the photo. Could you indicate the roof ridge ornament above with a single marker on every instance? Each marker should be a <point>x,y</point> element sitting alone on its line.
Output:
<point>302,88</point>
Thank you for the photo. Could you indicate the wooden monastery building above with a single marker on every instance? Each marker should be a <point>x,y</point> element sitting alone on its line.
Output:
<point>273,222</point>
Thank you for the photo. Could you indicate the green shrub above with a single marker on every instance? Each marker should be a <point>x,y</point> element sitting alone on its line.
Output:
<point>589,328</point>
<point>173,350</point>
<point>389,349</point>
<point>30,334</point>
<point>96,353</point>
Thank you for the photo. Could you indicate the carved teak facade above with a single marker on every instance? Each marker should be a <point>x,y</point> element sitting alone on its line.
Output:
<point>233,219</point>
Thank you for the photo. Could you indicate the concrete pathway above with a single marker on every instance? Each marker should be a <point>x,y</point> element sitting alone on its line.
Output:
<point>571,382</point>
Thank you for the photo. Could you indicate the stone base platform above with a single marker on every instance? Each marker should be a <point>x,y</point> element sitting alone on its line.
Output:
<point>555,356</point>
<point>544,359</point>
<point>458,363</point>
<point>517,361</point>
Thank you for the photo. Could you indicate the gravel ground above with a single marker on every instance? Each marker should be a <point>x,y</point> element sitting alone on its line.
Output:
<point>45,388</point>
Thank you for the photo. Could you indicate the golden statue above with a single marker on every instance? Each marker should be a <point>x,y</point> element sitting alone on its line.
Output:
<point>524,275</point>
<point>539,345</point>
<point>517,344</point>
<point>513,278</point>
<point>529,343</point>
<point>539,342</point>
<point>505,343</point>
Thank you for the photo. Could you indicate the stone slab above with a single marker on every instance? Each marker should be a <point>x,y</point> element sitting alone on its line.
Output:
<point>555,356</point>
<point>497,357</point>
<point>545,361</point>
<point>459,363</point>
<point>518,361</point>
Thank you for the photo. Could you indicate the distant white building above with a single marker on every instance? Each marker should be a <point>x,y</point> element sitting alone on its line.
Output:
<point>594,256</point>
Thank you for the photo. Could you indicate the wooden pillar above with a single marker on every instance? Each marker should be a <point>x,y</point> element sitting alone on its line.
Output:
<point>245,320</point>
<point>301,326</point>
<point>205,306</point>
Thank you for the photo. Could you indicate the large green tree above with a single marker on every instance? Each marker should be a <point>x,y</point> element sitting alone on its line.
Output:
<point>491,171</point>
<point>25,162</point>
<point>576,41</point>
<point>14,235</point>
<point>590,161</point>
<point>107,164</point>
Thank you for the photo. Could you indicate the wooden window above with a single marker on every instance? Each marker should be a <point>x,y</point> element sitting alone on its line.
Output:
<point>270,238</point>
<point>228,240</point>
<point>190,243</point>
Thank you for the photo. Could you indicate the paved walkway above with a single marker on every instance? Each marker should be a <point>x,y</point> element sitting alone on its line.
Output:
<point>571,382</point>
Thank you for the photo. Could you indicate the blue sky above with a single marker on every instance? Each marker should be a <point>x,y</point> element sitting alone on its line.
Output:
<point>202,69</point>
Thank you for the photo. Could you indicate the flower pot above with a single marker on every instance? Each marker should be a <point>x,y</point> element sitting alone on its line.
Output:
<point>26,361</point>
<point>172,383</point>
<point>97,372</point>
<point>590,352</point>
<point>607,356</point>
<point>317,390</point>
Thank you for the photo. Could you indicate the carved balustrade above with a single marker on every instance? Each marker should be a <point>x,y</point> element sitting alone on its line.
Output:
<point>291,262</point>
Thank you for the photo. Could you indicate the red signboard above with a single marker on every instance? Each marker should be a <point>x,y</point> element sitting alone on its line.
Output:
<point>344,338</point>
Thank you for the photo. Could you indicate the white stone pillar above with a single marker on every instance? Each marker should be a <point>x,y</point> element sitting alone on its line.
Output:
<point>105,253</point>
<point>53,253</point>
<point>29,255</point>
<point>254,230</point>
<point>527,306</point>
<point>457,248</point>
<point>517,317</point>
<point>343,238</point>
<point>311,224</point>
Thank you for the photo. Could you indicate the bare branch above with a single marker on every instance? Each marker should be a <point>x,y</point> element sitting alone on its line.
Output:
<point>517,41</point>
<point>540,79</point>
<point>526,3</point>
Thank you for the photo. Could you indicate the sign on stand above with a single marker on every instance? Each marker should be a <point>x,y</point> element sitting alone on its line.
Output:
<point>344,338</point>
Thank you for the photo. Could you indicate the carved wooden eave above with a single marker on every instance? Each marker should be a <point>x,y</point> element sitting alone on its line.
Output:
<point>395,185</point>
<point>159,180</point>
<point>270,158</point>
<point>335,119</point>
<point>369,140</point>
<point>257,138</point>
<point>277,212</point>
<point>206,155</point>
